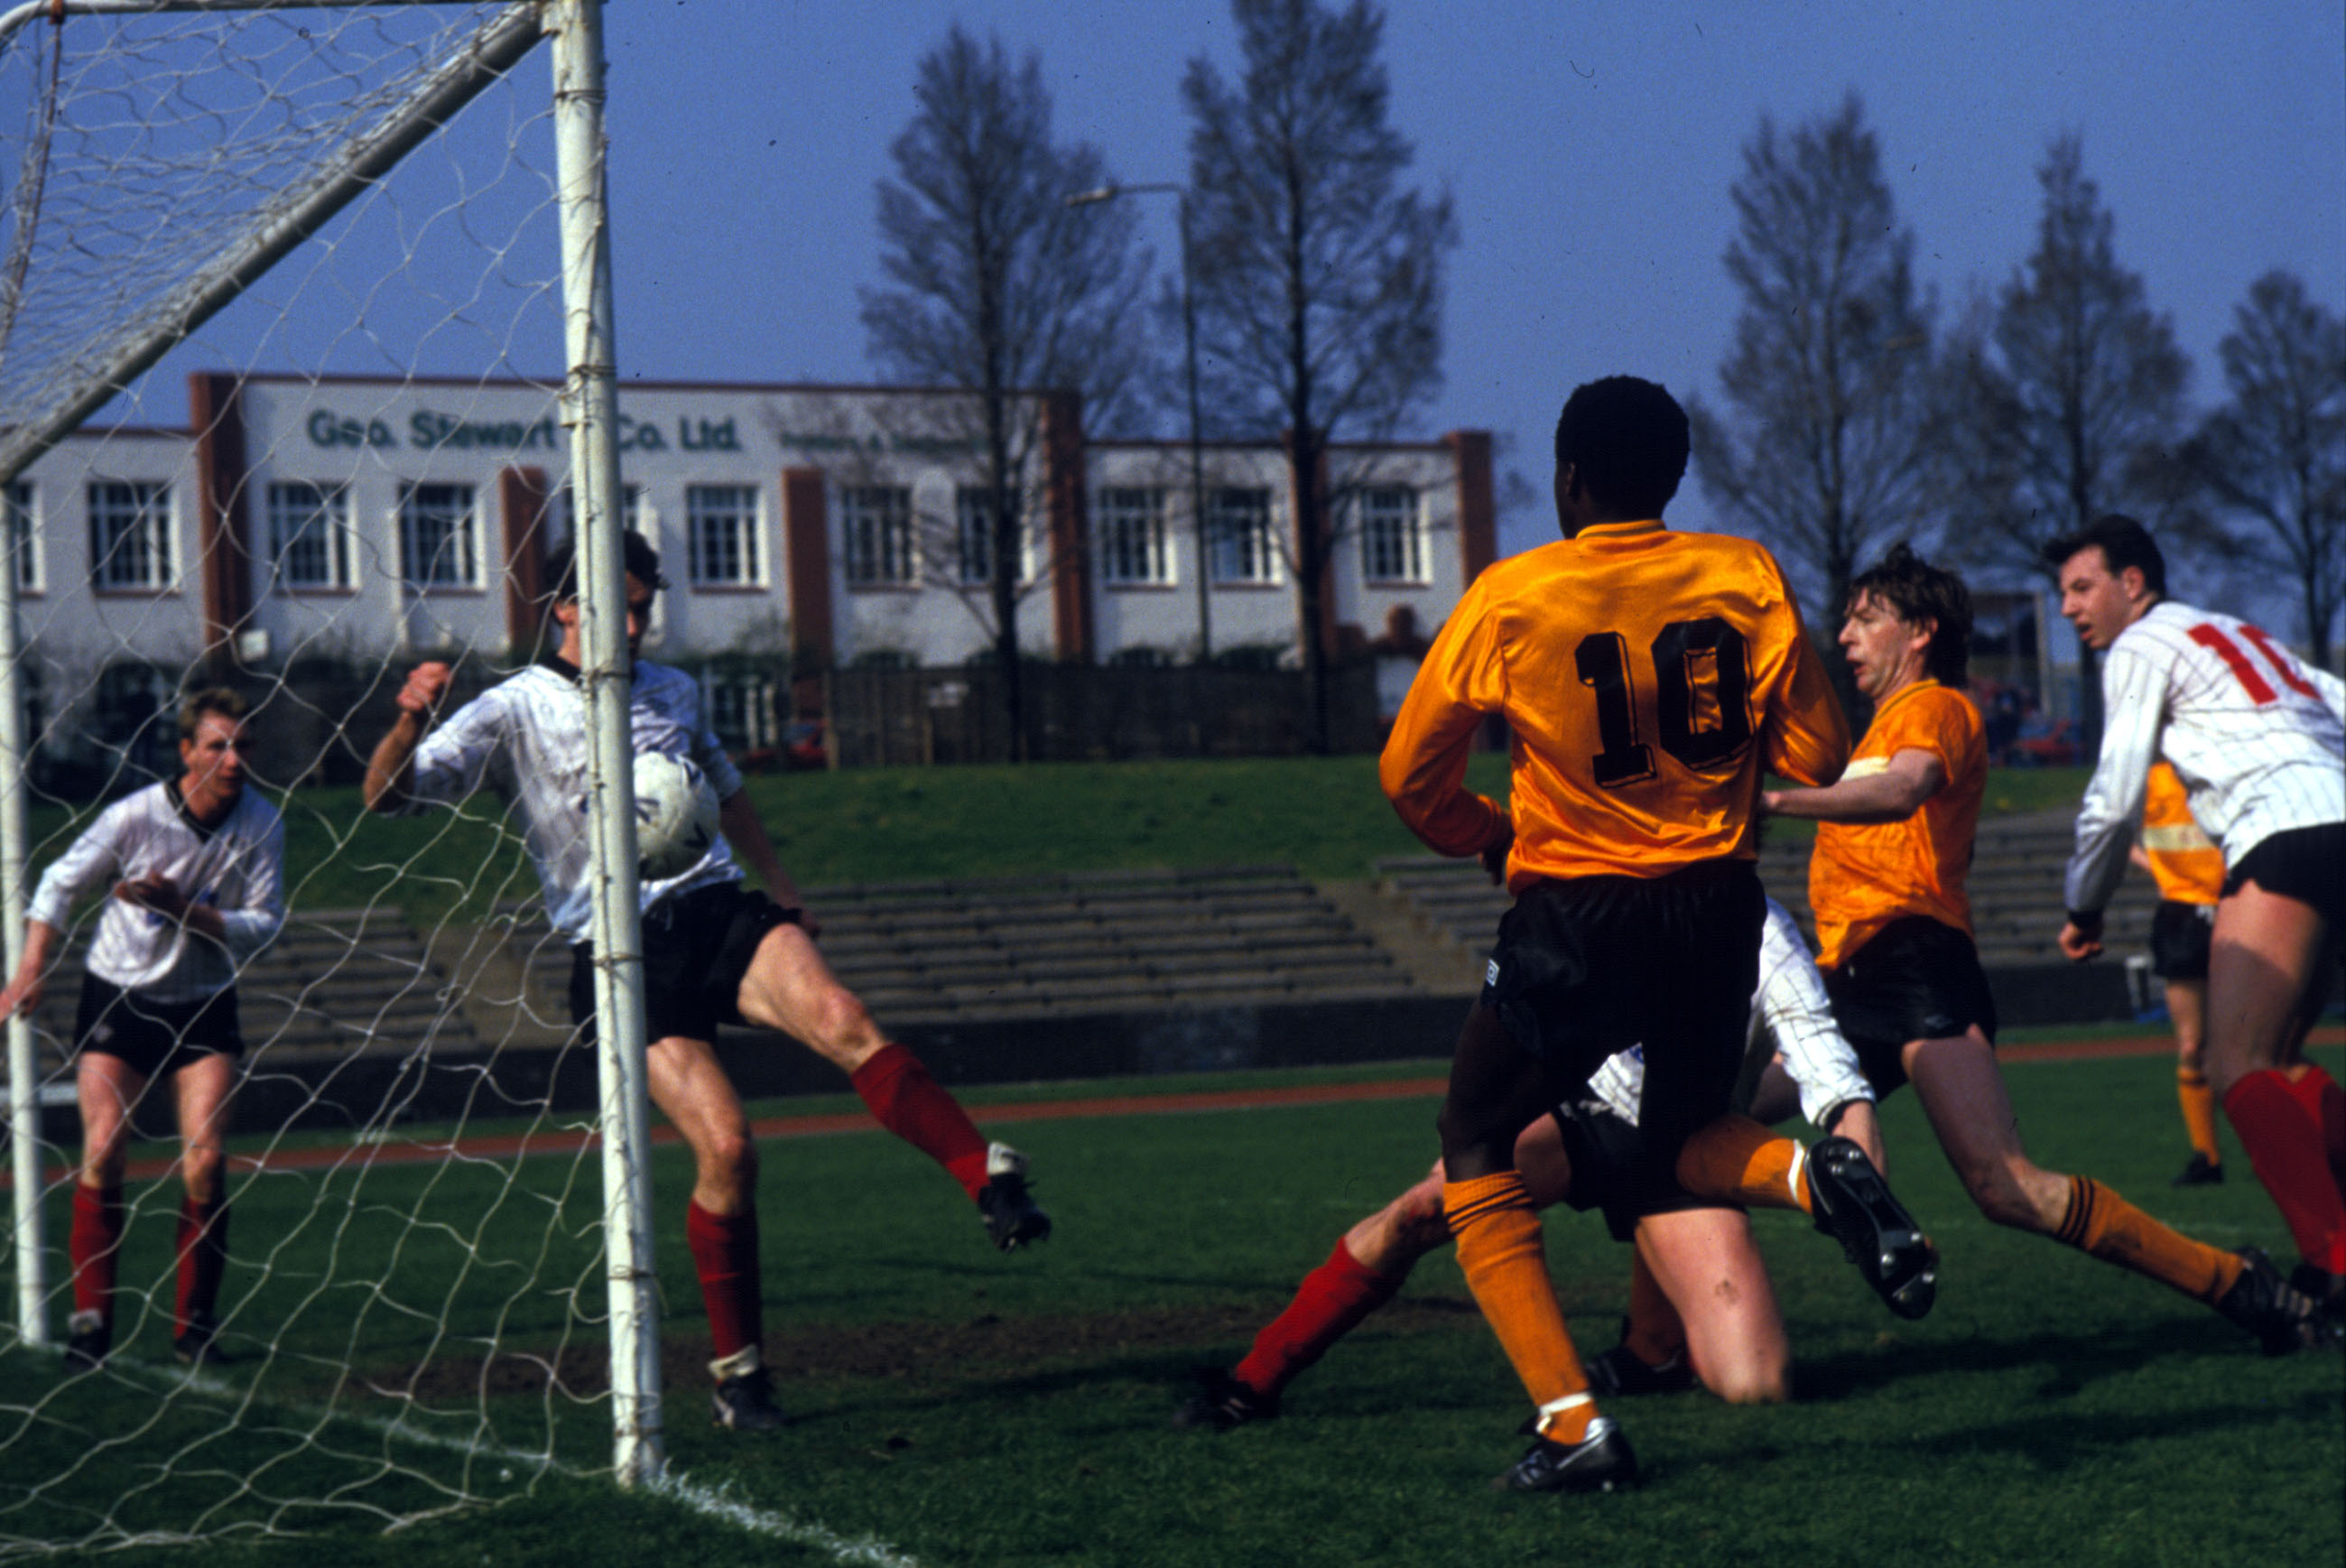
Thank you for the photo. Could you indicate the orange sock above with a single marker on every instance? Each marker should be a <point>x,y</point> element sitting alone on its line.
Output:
<point>2191,1087</point>
<point>1736,1160</point>
<point>1500,1250</point>
<point>1655,1332</point>
<point>2103,1225</point>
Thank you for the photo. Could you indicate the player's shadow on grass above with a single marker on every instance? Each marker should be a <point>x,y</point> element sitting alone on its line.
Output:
<point>2072,1360</point>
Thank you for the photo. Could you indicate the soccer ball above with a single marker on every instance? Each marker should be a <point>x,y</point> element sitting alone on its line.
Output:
<point>676,815</point>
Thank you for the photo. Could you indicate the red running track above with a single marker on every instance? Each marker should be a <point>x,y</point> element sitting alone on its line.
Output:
<point>571,1141</point>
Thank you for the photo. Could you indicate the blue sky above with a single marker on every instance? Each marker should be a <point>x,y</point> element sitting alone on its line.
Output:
<point>1589,147</point>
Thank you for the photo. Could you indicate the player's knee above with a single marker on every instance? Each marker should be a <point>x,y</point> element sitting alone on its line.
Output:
<point>843,1023</point>
<point>730,1157</point>
<point>1419,1224</point>
<point>2002,1199</point>
<point>1765,1382</point>
<point>202,1169</point>
<point>1469,1132</point>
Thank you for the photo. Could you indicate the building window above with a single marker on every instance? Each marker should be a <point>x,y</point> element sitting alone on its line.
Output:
<point>1392,546</point>
<point>1132,535</point>
<point>739,705</point>
<point>877,520</point>
<point>310,535</point>
<point>566,514</point>
<point>973,536</point>
<point>1237,521</point>
<point>24,537</point>
<point>130,533</point>
<point>439,537</point>
<point>720,530</point>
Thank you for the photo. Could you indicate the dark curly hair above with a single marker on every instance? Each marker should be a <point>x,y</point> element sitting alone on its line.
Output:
<point>1920,591</point>
<point>1628,440</point>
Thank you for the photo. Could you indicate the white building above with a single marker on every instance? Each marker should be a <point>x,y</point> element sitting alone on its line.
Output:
<point>366,521</point>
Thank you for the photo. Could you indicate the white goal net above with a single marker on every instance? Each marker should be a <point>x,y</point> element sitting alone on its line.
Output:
<point>286,296</point>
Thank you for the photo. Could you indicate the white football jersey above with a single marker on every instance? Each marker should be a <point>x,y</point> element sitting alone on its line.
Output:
<point>526,739</point>
<point>2257,737</point>
<point>1789,1013</point>
<point>237,868</point>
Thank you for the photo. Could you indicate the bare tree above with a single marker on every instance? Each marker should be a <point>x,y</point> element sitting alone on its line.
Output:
<point>1830,452</point>
<point>998,290</point>
<point>2070,392</point>
<point>1318,280</point>
<point>2275,455</point>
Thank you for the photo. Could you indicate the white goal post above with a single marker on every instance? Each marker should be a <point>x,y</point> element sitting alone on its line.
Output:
<point>61,362</point>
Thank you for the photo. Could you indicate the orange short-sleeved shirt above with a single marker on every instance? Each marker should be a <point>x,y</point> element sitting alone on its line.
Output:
<point>2187,864</point>
<point>1646,674</point>
<point>1862,876</point>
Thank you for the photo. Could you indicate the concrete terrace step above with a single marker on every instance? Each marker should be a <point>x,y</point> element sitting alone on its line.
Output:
<point>2014,883</point>
<point>939,950</point>
<point>335,983</point>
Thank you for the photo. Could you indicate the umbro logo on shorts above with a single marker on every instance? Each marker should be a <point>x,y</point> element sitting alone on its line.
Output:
<point>1491,971</point>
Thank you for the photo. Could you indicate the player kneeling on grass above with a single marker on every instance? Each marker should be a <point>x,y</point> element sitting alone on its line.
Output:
<point>1647,677</point>
<point>1887,882</point>
<point>1701,1304</point>
<point>713,953</point>
<point>197,869</point>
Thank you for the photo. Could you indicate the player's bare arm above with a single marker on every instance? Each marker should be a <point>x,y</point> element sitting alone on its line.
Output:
<point>1890,793</point>
<point>391,770</point>
<point>30,982</point>
<point>745,830</point>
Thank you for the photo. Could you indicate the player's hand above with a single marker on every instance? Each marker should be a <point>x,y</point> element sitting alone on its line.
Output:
<point>159,894</point>
<point>22,995</point>
<point>1495,857</point>
<point>426,685</point>
<point>2077,945</point>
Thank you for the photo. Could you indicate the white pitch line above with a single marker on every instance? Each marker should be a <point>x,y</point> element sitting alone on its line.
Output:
<point>716,1503</point>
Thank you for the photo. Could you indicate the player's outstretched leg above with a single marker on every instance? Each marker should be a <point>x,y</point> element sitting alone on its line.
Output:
<point>1964,1095</point>
<point>1738,1160</point>
<point>1363,1271</point>
<point>788,987</point>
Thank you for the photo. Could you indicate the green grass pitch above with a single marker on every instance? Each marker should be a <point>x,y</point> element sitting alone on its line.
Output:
<point>963,1408</point>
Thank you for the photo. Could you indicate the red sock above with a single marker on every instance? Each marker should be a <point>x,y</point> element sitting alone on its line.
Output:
<point>1328,1304</point>
<point>97,1240</point>
<point>2319,1093</point>
<point>909,1103</point>
<point>725,1255</point>
<point>2279,1122</point>
<point>203,1255</point>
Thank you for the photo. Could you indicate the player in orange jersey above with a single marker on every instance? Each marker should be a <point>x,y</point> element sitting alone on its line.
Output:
<point>2188,867</point>
<point>1646,675</point>
<point>1893,922</point>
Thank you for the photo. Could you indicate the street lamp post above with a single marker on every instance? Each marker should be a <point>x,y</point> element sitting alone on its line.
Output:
<point>1197,437</point>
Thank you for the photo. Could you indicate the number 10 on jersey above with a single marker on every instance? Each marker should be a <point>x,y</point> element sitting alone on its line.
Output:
<point>1701,685</point>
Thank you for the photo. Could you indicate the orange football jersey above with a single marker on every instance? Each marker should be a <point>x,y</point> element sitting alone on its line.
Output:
<point>1648,678</point>
<point>1862,876</point>
<point>2187,864</point>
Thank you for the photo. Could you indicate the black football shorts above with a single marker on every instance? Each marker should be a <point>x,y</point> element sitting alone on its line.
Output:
<point>2179,939</point>
<point>1914,979</point>
<point>697,947</point>
<point>1588,966</point>
<point>2307,864</point>
<point>155,1037</point>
